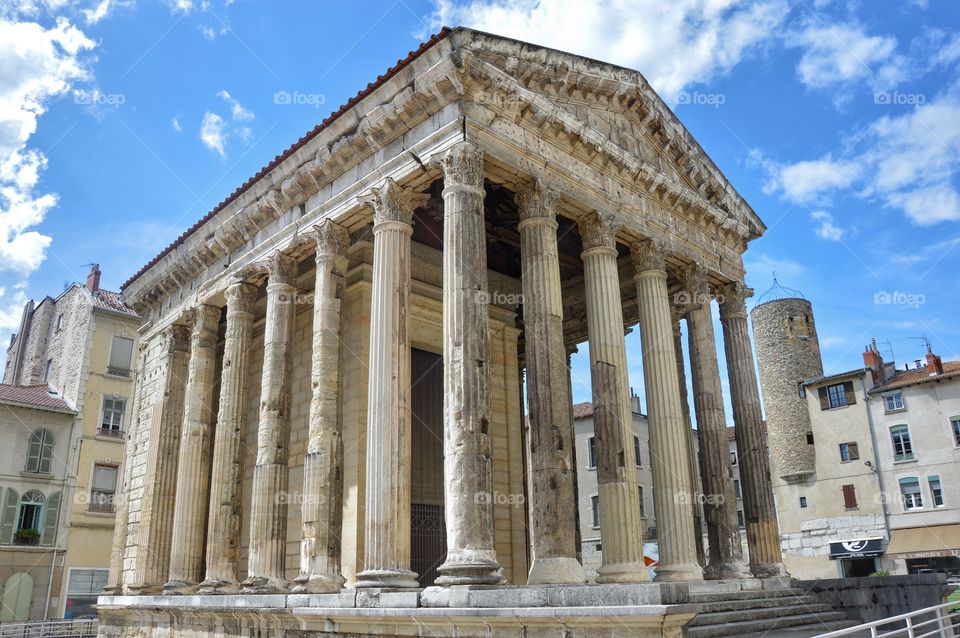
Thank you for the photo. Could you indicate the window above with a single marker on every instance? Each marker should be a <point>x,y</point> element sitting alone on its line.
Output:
<point>849,452</point>
<point>595,509</point>
<point>121,353</point>
<point>955,424</point>
<point>902,448</point>
<point>60,321</point>
<point>740,519</point>
<point>910,491</point>
<point>39,452</point>
<point>592,451</point>
<point>803,501</point>
<point>643,510</point>
<point>83,587</point>
<point>893,402</point>
<point>849,497</point>
<point>636,449</point>
<point>112,422</point>
<point>29,519</point>
<point>935,490</point>
<point>102,488</point>
<point>809,438</point>
<point>801,390</point>
<point>736,489</point>
<point>46,370</point>
<point>837,395</point>
<point>733,457</point>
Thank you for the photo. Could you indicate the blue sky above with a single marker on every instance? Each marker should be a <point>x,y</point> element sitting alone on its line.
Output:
<point>122,122</point>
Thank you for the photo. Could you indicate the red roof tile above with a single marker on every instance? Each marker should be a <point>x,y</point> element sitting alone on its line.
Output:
<point>370,88</point>
<point>904,378</point>
<point>581,410</point>
<point>111,301</point>
<point>38,396</point>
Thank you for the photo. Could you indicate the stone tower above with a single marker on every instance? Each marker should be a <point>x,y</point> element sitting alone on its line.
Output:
<point>788,353</point>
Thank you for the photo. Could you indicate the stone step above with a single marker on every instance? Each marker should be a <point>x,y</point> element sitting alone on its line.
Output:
<point>818,623</point>
<point>758,613</point>
<point>755,603</point>
<point>757,594</point>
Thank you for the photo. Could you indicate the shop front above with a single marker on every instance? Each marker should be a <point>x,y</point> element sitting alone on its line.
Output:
<point>928,550</point>
<point>858,557</point>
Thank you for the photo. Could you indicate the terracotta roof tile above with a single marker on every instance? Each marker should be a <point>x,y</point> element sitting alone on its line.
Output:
<point>38,396</point>
<point>349,104</point>
<point>581,410</point>
<point>111,301</point>
<point>904,378</point>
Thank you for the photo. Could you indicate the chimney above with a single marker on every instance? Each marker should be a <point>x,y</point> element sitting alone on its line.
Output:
<point>93,279</point>
<point>874,362</point>
<point>635,402</point>
<point>934,364</point>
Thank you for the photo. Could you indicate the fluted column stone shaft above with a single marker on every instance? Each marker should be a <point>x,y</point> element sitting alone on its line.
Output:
<point>193,470</point>
<point>620,523</point>
<point>223,532</point>
<point>691,448</point>
<point>323,463</point>
<point>553,503</point>
<point>467,463</point>
<point>760,514</point>
<point>719,502</point>
<point>673,491</point>
<point>269,502</point>
<point>388,479</point>
<point>155,529</point>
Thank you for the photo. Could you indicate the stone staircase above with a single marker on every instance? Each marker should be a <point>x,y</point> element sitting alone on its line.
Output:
<point>736,612</point>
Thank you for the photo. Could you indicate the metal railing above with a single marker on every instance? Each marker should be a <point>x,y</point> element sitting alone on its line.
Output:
<point>50,629</point>
<point>922,623</point>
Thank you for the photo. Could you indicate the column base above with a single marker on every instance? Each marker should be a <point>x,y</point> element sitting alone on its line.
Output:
<point>387,578</point>
<point>146,589</point>
<point>318,584</point>
<point>678,572</point>
<point>623,573</point>
<point>179,588</point>
<point>219,586</point>
<point>470,567</point>
<point>556,571</point>
<point>265,585</point>
<point>769,570</point>
<point>734,570</point>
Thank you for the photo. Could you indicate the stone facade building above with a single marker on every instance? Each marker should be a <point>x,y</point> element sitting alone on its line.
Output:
<point>330,423</point>
<point>79,347</point>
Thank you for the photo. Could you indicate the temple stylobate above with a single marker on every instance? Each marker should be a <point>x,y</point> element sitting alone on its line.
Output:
<point>329,434</point>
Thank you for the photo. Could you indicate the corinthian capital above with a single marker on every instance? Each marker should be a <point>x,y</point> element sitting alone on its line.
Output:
<point>695,282</point>
<point>177,338</point>
<point>648,254</point>
<point>279,267</point>
<point>463,165</point>
<point>393,203</point>
<point>598,230</point>
<point>330,238</point>
<point>241,296</point>
<point>732,298</point>
<point>537,201</point>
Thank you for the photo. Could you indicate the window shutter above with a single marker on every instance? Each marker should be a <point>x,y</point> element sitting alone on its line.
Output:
<point>46,452</point>
<point>854,451</point>
<point>850,395</point>
<point>104,478</point>
<point>824,399</point>
<point>849,496</point>
<point>121,353</point>
<point>50,520</point>
<point>33,451</point>
<point>9,516</point>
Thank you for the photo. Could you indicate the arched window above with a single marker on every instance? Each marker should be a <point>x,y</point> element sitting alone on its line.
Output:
<point>30,518</point>
<point>40,452</point>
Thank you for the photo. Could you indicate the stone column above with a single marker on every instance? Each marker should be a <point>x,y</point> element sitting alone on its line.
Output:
<point>268,504</point>
<point>155,529</point>
<point>387,490</point>
<point>223,533</point>
<point>620,524</point>
<point>467,465</point>
<point>553,501</point>
<point>760,514</point>
<point>676,314</point>
<point>673,490</point>
<point>323,464</point>
<point>193,470</point>
<point>719,503</point>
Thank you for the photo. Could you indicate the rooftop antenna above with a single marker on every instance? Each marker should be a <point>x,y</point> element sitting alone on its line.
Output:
<point>926,342</point>
<point>889,345</point>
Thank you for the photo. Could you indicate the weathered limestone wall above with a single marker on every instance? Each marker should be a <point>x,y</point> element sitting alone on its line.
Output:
<point>788,352</point>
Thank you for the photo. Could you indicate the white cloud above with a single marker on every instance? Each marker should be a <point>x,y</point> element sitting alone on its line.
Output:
<point>760,268</point>
<point>11,310</point>
<point>841,53</point>
<point>213,133</point>
<point>97,13</point>
<point>674,44</point>
<point>805,181</point>
<point>237,111</point>
<point>175,123</point>
<point>825,226</point>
